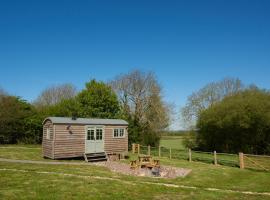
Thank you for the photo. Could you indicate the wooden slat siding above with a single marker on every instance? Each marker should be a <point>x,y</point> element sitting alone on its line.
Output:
<point>115,145</point>
<point>67,145</point>
<point>62,144</point>
<point>47,144</point>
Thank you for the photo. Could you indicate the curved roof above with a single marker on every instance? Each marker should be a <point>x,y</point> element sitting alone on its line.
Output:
<point>86,121</point>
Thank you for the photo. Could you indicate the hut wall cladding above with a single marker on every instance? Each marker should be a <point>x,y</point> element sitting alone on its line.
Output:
<point>115,145</point>
<point>69,143</point>
<point>47,144</point>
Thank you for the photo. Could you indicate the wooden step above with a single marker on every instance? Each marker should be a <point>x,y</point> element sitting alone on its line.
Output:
<point>95,154</point>
<point>97,159</point>
<point>94,157</point>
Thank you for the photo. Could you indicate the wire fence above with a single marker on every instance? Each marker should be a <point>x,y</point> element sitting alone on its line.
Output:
<point>144,150</point>
<point>228,159</point>
<point>257,162</point>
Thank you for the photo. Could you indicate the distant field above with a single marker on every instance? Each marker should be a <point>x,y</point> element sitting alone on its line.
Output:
<point>175,142</point>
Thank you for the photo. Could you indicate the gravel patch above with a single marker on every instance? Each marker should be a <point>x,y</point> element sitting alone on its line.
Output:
<point>164,171</point>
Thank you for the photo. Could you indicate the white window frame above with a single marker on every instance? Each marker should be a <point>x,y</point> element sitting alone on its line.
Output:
<point>95,133</point>
<point>118,135</point>
<point>48,134</point>
<point>102,134</point>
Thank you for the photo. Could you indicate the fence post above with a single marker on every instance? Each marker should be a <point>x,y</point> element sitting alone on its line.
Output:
<point>138,147</point>
<point>170,153</point>
<point>189,155</point>
<point>149,150</point>
<point>241,160</point>
<point>159,151</point>
<point>133,148</point>
<point>215,158</point>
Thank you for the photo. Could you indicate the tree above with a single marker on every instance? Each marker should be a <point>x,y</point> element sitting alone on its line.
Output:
<point>98,100</point>
<point>240,122</point>
<point>3,92</point>
<point>207,96</point>
<point>142,105</point>
<point>18,121</point>
<point>65,108</point>
<point>55,94</point>
<point>189,139</point>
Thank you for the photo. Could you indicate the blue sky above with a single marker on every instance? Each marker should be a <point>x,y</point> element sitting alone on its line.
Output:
<point>186,43</point>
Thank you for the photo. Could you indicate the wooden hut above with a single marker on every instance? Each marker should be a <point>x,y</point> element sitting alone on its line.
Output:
<point>94,139</point>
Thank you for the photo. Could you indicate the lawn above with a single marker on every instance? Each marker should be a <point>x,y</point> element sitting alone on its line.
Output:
<point>39,181</point>
<point>175,142</point>
<point>180,152</point>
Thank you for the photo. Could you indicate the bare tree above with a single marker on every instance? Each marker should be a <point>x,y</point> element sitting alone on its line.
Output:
<point>140,96</point>
<point>207,96</point>
<point>3,92</point>
<point>54,94</point>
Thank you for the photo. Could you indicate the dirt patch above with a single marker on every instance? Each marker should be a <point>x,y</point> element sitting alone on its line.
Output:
<point>164,171</point>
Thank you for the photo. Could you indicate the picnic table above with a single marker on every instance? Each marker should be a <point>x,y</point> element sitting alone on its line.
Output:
<point>144,161</point>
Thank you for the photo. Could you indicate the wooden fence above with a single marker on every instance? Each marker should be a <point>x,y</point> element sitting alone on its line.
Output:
<point>241,160</point>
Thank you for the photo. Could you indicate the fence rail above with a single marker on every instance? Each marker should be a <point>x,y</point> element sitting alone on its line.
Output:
<point>248,161</point>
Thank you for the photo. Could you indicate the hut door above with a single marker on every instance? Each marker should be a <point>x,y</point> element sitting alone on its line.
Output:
<point>90,141</point>
<point>99,140</point>
<point>94,140</point>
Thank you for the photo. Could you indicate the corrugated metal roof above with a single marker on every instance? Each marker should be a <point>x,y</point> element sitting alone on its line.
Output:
<point>86,121</point>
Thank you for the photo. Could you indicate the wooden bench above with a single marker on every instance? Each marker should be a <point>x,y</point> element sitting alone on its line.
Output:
<point>134,164</point>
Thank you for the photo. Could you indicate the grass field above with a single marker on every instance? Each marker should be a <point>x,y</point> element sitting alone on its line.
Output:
<point>39,181</point>
<point>180,152</point>
<point>175,142</point>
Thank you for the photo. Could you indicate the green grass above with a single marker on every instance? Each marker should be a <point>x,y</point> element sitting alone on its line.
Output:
<point>180,152</point>
<point>26,152</point>
<point>30,152</point>
<point>175,142</point>
<point>34,185</point>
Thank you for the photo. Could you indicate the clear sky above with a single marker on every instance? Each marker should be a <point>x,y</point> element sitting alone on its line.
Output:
<point>186,43</point>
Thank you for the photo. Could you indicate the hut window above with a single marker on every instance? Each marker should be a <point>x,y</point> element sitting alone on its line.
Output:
<point>119,133</point>
<point>91,134</point>
<point>48,133</point>
<point>99,134</point>
<point>115,133</point>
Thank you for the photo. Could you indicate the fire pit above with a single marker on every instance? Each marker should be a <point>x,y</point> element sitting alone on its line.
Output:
<point>155,171</point>
<point>146,166</point>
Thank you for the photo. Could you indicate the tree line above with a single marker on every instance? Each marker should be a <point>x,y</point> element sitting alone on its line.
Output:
<point>227,116</point>
<point>135,97</point>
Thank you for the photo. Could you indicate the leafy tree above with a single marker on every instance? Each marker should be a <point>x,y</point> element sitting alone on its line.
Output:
<point>240,122</point>
<point>65,108</point>
<point>98,100</point>
<point>18,121</point>
<point>32,129</point>
<point>207,96</point>
<point>189,140</point>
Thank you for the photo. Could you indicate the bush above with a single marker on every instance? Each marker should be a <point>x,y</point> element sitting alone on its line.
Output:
<point>189,140</point>
<point>19,121</point>
<point>240,122</point>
